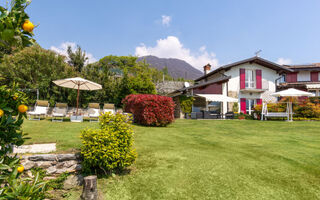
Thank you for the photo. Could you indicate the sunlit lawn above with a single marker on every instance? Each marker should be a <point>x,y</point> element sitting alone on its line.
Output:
<point>208,159</point>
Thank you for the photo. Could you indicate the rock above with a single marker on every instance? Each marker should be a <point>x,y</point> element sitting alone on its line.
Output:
<point>28,164</point>
<point>70,163</point>
<point>51,170</point>
<point>73,181</point>
<point>44,164</point>
<point>64,157</point>
<point>60,165</point>
<point>78,167</point>
<point>43,157</point>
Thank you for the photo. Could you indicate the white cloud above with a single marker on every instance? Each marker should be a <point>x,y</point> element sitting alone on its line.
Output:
<point>62,50</point>
<point>171,47</point>
<point>166,20</point>
<point>284,61</point>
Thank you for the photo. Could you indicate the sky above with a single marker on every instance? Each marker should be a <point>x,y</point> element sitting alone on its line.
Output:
<point>198,31</point>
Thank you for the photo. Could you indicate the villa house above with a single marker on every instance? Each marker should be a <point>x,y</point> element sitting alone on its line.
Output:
<point>250,81</point>
<point>302,77</point>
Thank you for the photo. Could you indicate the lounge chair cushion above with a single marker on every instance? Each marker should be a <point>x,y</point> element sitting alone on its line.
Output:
<point>94,105</point>
<point>109,110</point>
<point>108,106</point>
<point>93,112</point>
<point>42,103</point>
<point>39,110</point>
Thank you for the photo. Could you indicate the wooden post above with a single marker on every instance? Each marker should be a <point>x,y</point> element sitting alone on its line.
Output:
<point>90,191</point>
<point>78,99</point>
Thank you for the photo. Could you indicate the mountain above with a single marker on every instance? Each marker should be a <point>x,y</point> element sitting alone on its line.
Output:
<point>176,68</point>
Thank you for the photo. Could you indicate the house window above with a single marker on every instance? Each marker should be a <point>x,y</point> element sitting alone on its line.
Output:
<point>304,76</point>
<point>215,107</point>
<point>250,103</point>
<point>250,78</point>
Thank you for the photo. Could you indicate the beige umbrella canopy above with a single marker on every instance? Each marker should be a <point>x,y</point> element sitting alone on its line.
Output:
<point>79,84</point>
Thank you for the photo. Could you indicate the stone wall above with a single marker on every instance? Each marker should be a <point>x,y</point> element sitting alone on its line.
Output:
<point>53,163</point>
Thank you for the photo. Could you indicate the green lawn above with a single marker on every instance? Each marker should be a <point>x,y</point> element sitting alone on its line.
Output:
<point>209,159</point>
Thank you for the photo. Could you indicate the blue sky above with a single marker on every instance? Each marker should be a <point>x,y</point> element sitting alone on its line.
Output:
<point>200,31</point>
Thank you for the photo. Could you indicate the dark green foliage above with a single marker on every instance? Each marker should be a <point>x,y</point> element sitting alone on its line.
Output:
<point>109,148</point>
<point>36,68</point>
<point>186,103</point>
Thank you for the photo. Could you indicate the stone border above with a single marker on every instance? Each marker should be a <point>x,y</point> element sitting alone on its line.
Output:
<point>53,163</point>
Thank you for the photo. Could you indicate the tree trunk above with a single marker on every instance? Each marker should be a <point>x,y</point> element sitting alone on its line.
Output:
<point>90,191</point>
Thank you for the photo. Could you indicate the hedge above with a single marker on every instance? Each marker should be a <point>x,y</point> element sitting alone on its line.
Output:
<point>150,110</point>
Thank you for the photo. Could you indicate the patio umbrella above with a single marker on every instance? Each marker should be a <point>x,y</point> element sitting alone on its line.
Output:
<point>291,92</point>
<point>79,84</point>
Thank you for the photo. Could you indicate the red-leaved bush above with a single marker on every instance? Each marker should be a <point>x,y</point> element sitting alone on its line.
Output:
<point>149,109</point>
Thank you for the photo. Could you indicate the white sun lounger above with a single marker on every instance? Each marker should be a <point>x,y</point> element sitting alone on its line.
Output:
<point>107,107</point>
<point>40,108</point>
<point>93,112</point>
<point>59,112</point>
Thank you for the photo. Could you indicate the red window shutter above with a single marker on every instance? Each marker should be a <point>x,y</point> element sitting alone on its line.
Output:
<point>243,105</point>
<point>314,76</point>
<point>292,77</point>
<point>259,101</point>
<point>242,78</point>
<point>259,79</point>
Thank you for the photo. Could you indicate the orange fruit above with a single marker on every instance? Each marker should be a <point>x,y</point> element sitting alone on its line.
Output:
<point>1,113</point>
<point>20,168</point>
<point>22,108</point>
<point>27,26</point>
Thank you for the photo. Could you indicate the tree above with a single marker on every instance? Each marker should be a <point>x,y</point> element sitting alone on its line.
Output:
<point>36,68</point>
<point>136,78</point>
<point>77,59</point>
<point>15,27</point>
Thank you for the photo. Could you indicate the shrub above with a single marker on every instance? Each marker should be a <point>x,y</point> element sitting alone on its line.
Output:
<point>109,148</point>
<point>235,107</point>
<point>186,103</point>
<point>150,110</point>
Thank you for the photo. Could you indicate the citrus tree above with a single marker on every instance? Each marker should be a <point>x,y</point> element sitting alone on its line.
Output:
<point>15,27</point>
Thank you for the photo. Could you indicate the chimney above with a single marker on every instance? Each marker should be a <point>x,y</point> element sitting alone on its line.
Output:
<point>207,69</point>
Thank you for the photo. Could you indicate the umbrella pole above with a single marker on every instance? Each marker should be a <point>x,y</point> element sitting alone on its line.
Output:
<point>78,100</point>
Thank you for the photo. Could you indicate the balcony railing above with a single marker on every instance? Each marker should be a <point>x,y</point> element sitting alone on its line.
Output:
<point>264,87</point>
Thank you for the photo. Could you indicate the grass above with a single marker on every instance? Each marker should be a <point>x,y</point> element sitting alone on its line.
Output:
<point>209,159</point>
<point>65,134</point>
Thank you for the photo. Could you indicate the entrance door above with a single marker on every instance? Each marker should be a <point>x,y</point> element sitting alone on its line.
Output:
<point>250,103</point>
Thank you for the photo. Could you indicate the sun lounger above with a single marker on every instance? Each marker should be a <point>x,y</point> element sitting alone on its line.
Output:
<point>93,112</point>
<point>59,112</point>
<point>107,107</point>
<point>40,108</point>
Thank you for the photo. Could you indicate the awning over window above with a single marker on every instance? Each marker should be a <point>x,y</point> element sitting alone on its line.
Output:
<point>217,97</point>
<point>313,86</point>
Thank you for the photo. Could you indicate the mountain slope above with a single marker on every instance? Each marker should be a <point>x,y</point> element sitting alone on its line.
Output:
<point>176,68</point>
